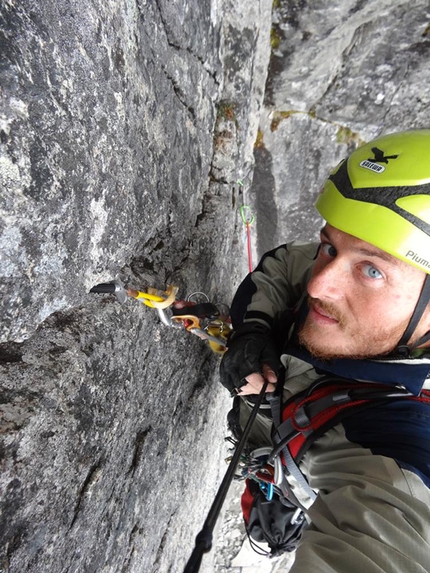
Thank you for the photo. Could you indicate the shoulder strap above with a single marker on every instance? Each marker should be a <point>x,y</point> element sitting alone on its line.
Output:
<point>310,414</point>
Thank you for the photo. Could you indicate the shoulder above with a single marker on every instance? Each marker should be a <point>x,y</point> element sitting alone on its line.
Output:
<point>399,430</point>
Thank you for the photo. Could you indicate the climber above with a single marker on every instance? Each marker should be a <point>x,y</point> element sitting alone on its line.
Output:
<point>352,309</point>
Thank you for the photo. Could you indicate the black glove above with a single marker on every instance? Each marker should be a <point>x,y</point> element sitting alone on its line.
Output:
<point>249,347</point>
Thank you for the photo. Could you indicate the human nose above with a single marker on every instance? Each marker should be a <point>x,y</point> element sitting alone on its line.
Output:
<point>329,281</point>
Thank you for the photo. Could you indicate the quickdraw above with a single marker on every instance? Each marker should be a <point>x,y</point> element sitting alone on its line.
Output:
<point>206,320</point>
<point>254,465</point>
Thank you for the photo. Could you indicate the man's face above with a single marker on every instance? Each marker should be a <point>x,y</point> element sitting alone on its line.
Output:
<point>360,299</point>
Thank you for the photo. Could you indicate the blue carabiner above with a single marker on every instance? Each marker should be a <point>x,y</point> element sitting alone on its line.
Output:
<point>267,489</point>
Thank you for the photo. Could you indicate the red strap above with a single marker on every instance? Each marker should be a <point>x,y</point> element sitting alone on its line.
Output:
<point>325,416</point>
<point>295,445</point>
<point>246,502</point>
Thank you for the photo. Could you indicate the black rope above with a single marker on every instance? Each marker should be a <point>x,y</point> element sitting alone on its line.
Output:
<point>203,542</point>
<point>403,347</point>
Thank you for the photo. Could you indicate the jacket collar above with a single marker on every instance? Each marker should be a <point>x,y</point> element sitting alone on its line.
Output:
<point>411,372</point>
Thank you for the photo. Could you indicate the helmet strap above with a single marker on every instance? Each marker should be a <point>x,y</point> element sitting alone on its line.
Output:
<point>403,347</point>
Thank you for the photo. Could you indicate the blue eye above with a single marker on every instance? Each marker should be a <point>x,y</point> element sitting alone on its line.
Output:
<point>371,272</point>
<point>328,250</point>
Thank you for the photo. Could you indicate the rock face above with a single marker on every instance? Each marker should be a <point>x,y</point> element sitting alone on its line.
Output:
<point>124,129</point>
<point>109,113</point>
<point>341,73</point>
<point>122,137</point>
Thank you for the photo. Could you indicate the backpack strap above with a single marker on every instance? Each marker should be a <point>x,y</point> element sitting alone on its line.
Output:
<point>294,471</point>
<point>310,414</point>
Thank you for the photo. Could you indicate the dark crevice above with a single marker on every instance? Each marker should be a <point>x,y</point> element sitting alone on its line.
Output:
<point>138,449</point>
<point>148,265</point>
<point>176,88</point>
<point>155,566</point>
<point>126,566</point>
<point>200,217</point>
<point>205,372</point>
<point>179,267</point>
<point>179,48</point>
<point>15,540</point>
<point>180,95</point>
<point>70,320</point>
<point>10,352</point>
<point>212,75</point>
<point>92,477</point>
<point>214,179</point>
<point>151,267</point>
<point>210,203</point>
<point>163,21</point>
<point>204,212</point>
<point>134,532</point>
<point>420,48</point>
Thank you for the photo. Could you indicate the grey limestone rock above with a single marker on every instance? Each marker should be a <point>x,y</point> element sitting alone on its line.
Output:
<point>124,128</point>
<point>106,128</point>
<point>121,143</point>
<point>340,73</point>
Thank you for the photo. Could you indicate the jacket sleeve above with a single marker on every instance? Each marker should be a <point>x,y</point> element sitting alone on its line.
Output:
<point>370,515</point>
<point>275,286</point>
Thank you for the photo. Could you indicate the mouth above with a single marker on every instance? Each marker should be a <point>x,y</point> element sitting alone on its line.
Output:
<point>319,315</point>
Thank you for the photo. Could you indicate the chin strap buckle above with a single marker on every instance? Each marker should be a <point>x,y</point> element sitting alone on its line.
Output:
<point>404,351</point>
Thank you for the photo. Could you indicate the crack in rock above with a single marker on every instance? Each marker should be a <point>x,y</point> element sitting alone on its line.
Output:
<point>155,567</point>
<point>211,74</point>
<point>85,491</point>
<point>180,94</point>
<point>139,443</point>
<point>177,47</point>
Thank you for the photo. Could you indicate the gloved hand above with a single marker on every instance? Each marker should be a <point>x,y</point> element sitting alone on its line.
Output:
<point>250,350</point>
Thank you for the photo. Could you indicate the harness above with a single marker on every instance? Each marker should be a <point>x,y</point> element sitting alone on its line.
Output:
<point>305,417</point>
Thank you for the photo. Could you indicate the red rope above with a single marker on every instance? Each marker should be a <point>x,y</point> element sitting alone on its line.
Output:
<point>248,236</point>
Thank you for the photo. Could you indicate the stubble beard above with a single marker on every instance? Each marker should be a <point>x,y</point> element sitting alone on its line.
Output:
<point>356,346</point>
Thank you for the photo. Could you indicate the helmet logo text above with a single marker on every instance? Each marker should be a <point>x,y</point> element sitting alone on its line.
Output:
<point>373,163</point>
<point>417,259</point>
<point>372,166</point>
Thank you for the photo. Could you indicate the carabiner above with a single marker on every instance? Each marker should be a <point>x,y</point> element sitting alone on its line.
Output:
<point>246,214</point>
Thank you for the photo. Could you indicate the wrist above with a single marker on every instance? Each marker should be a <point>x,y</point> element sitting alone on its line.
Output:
<point>250,328</point>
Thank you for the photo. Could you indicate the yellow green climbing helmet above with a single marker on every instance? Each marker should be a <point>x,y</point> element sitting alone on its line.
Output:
<point>381,194</point>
